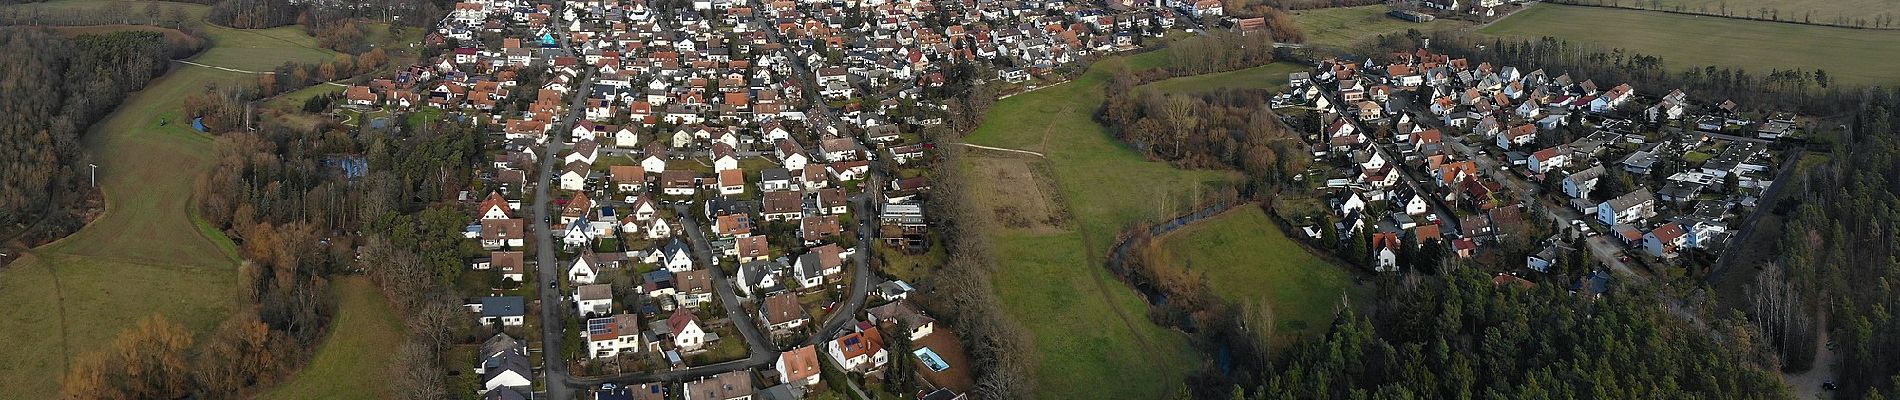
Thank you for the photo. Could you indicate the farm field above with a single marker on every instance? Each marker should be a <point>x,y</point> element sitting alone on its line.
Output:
<point>1830,12</point>
<point>1271,77</point>
<point>1090,331</point>
<point>147,253</point>
<point>362,339</point>
<point>1852,56</point>
<point>1245,259</point>
<point>1346,27</point>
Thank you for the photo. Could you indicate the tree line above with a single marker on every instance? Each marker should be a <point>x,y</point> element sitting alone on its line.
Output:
<point>52,89</point>
<point>318,16</point>
<point>961,290</point>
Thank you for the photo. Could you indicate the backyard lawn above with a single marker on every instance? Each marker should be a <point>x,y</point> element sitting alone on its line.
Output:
<point>1245,259</point>
<point>1091,332</point>
<point>1850,56</point>
<point>361,342</point>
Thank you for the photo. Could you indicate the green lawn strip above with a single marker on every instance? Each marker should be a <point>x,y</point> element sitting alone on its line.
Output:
<point>1852,56</point>
<point>1272,77</point>
<point>1245,259</point>
<point>1054,284</point>
<point>362,340</point>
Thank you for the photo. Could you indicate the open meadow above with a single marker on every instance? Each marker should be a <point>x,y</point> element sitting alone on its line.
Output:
<point>361,342</point>
<point>1271,77</point>
<point>1348,27</point>
<point>1850,56</point>
<point>1244,259</point>
<point>147,253</point>
<point>1857,13</point>
<point>1091,331</point>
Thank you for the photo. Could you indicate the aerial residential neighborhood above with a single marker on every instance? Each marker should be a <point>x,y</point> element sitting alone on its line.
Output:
<point>949,199</point>
<point>1445,153</point>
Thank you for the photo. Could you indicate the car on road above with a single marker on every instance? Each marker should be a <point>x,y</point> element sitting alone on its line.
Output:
<point>552,283</point>
<point>1829,385</point>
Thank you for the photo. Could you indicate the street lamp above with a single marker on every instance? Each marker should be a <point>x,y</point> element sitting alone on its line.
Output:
<point>95,174</point>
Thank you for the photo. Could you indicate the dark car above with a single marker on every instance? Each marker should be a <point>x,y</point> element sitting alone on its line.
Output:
<point>551,284</point>
<point>1829,385</point>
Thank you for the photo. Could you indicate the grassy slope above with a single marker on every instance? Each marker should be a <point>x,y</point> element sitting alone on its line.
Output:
<point>1850,56</point>
<point>1271,77</point>
<point>147,254</point>
<point>1349,26</point>
<point>361,343</point>
<point>1055,283</point>
<point>1244,258</point>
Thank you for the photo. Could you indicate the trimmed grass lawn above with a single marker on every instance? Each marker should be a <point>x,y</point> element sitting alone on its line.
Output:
<point>147,254</point>
<point>1245,259</point>
<point>1271,77</point>
<point>1345,27</point>
<point>362,339</point>
<point>1850,56</point>
<point>1091,332</point>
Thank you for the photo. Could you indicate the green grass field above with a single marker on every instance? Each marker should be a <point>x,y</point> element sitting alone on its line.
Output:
<point>1850,56</point>
<point>1271,77</point>
<point>1346,27</point>
<point>147,254</point>
<point>1830,12</point>
<point>362,339</point>
<point>1091,332</point>
<point>1245,259</point>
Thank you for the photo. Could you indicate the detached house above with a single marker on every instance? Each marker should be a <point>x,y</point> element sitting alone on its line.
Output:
<point>684,327</point>
<point>861,350</point>
<point>782,313</point>
<point>506,310</point>
<point>1628,208</point>
<point>798,367</point>
<point>609,336</point>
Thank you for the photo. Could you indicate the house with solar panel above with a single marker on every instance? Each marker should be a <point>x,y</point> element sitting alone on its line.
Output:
<point>610,336</point>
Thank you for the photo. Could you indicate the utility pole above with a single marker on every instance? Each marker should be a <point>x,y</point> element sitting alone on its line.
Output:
<point>95,174</point>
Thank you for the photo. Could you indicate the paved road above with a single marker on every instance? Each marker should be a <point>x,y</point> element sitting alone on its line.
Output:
<point>862,281</point>
<point>553,307</point>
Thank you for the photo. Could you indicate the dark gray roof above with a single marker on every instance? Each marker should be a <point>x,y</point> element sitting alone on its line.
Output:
<point>503,306</point>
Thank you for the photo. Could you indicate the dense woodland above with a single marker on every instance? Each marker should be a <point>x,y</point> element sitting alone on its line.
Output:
<point>1459,335</point>
<point>1838,254</point>
<point>317,16</point>
<point>52,88</point>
